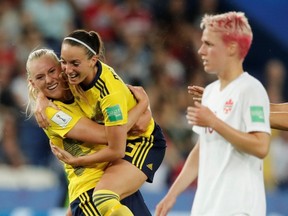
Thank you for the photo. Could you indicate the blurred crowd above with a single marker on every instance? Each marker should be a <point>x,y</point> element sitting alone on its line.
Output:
<point>149,43</point>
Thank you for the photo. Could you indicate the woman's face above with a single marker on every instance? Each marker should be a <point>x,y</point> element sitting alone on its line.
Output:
<point>45,76</point>
<point>213,52</point>
<point>76,65</point>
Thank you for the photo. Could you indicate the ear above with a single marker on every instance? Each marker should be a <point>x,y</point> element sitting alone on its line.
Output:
<point>233,48</point>
<point>93,61</point>
<point>32,83</point>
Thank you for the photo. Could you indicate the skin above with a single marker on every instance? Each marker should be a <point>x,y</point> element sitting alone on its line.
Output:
<point>45,77</point>
<point>222,60</point>
<point>81,69</point>
<point>45,73</point>
<point>278,111</point>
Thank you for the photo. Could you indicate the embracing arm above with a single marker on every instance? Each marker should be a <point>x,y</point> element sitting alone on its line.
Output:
<point>89,131</point>
<point>115,150</point>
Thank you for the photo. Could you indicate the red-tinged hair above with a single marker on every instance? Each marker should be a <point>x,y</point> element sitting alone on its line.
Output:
<point>234,27</point>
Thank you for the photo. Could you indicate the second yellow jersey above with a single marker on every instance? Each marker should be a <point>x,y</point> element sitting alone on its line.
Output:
<point>61,122</point>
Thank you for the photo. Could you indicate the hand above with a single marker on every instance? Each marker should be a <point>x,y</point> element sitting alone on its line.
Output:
<point>41,104</point>
<point>196,92</point>
<point>69,211</point>
<point>200,116</point>
<point>140,94</point>
<point>63,155</point>
<point>141,125</point>
<point>165,205</point>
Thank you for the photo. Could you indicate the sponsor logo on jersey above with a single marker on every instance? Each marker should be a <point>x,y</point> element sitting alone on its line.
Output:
<point>114,113</point>
<point>61,118</point>
<point>257,114</point>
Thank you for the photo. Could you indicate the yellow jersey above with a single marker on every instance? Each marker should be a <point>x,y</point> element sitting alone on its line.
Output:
<point>80,179</point>
<point>107,99</point>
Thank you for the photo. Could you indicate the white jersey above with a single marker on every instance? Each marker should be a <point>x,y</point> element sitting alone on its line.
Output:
<point>230,182</point>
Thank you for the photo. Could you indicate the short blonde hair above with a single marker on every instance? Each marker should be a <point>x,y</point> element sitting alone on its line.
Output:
<point>234,27</point>
<point>32,92</point>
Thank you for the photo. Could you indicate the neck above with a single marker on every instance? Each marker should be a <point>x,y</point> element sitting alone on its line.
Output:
<point>228,76</point>
<point>68,96</point>
<point>91,76</point>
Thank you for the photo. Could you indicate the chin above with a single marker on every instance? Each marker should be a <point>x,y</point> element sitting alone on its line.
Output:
<point>74,81</point>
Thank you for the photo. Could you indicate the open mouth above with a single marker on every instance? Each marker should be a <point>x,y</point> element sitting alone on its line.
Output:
<point>52,87</point>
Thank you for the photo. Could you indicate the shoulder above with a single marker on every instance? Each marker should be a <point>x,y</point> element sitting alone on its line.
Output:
<point>250,84</point>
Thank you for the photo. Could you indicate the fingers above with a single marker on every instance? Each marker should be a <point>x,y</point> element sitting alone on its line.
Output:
<point>196,92</point>
<point>51,104</point>
<point>197,89</point>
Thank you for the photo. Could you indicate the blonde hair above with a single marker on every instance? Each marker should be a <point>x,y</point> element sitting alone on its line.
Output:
<point>234,27</point>
<point>32,92</point>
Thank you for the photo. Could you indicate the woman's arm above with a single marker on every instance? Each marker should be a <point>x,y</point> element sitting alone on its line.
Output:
<point>89,131</point>
<point>256,143</point>
<point>187,175</point>
<point>279,120</point>
<point>116,136</point>
<point>278,107</point>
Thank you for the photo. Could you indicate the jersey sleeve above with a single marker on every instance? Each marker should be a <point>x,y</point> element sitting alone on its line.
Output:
<point>114,108</point>
<point>61,121</point>
<point>257,109</point>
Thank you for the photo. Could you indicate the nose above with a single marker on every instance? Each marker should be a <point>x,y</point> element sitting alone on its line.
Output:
<point>66,68</point>
<point>200,50</point>
<point>49,79</point>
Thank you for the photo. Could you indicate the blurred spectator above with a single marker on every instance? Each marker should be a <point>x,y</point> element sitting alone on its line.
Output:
<point>54,18</point>
<point>275,76</point>
<point>10,22</point>
<point>179,36</point>
<point>279,160</point>
<point>10,152</point>
<point>99,15</point>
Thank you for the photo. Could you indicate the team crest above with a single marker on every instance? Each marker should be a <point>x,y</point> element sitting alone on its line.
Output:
<point>228,106</point>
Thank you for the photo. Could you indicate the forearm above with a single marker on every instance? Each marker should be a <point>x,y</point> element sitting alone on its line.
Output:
<point>115,150</point>
<point>188,173</point>
<point>278,107</point>
<point>104,155</point>
<point>135,113</point>
<point>279,120</point>
<point>256,144</point>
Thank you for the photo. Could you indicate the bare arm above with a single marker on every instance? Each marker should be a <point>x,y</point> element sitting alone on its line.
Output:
<point>278,107</point>
<point>42,103</point>
<point>256,143</point>
<point>187,175</point>
<point>279,120</point>
<point>116,136</point>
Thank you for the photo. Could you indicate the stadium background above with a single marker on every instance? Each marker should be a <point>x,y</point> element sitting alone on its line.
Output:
<point>151,43</point>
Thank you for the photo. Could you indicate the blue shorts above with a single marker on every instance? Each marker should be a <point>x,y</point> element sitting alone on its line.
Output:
<point>84,206</point>
<point>147,153</point>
